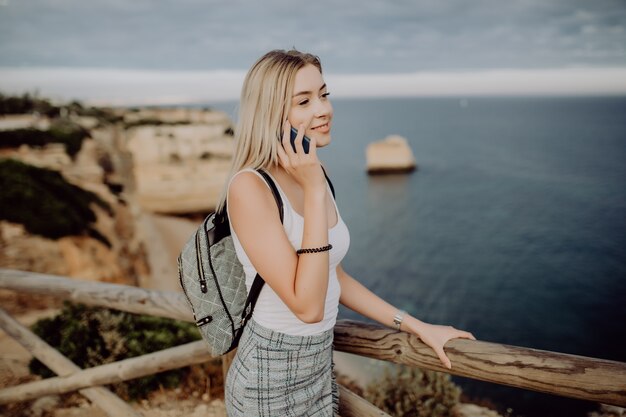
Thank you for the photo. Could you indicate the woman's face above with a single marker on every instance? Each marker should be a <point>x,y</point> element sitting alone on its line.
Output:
<point>310,105</point>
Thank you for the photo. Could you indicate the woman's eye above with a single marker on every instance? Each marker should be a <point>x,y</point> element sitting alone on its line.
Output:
<point>325,94</point>
<point>303,102</point>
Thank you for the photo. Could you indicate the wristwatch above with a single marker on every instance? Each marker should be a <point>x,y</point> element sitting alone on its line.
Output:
<point>397,319</point>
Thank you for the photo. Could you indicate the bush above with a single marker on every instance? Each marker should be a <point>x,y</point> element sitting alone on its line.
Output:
<point>91,336</point>
<point>154,122</point>
<point>27,104</point>
<point>45,203</point>
<point>412,392</point>
<point>103,114</point>
<point>61,131</point>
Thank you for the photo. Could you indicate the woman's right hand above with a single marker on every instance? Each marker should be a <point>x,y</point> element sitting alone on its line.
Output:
<point>304,168</point>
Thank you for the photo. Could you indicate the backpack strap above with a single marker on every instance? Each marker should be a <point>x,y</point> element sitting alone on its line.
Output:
<point>330,184</point>
<point>258,283</point>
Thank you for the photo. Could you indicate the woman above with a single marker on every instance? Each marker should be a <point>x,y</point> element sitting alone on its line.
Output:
<point>283,365</point>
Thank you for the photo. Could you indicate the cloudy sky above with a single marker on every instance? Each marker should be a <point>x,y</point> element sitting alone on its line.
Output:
<point>200,49</point>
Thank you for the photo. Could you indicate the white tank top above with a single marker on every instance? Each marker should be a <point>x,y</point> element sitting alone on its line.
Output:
<point>270,311</point>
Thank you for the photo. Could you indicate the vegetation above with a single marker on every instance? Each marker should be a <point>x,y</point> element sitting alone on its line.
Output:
<point>153,122</point>
<point>27,104</point>
<point>91,336</point>
<point>412,392</point>
<point>61,131</point>
<point>45,203</point>
<point>103,114</point>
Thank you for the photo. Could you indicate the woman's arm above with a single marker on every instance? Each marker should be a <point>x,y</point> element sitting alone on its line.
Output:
<point>301,282</point>
<point>357,297</point>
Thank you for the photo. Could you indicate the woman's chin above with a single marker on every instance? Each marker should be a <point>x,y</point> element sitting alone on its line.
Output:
<point>322,140</point>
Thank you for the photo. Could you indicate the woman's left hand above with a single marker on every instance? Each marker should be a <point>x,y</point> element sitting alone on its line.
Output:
<point>435,336</point>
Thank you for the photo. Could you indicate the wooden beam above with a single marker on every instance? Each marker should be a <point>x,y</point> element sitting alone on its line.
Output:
<point>164,360</point>
<point>351,405</point>
<point>167,304</point>
<point>538,370</point>
<point>111,404</point>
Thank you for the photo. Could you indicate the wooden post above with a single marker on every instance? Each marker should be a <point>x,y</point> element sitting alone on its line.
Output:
<point>539,370</point>
<point>108,402</point>
<point>351,405</point>
<point>167,304</point>
<point>164,360</point>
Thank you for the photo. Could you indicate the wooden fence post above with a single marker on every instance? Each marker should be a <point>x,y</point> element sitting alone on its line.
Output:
<point>108,402</point>
<point>151,363</point>
<point>539,370</point>
<point>351,405</point>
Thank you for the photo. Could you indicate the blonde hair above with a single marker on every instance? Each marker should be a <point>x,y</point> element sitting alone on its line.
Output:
<point>264,105</point>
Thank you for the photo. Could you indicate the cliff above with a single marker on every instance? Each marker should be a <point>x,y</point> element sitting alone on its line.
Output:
<point>103,245</point>
<point>180,158</point>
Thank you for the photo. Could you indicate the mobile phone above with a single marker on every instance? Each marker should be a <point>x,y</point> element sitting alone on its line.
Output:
<point>305,141</point>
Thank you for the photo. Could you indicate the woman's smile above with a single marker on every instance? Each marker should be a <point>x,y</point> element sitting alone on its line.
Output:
<point>325,128</point>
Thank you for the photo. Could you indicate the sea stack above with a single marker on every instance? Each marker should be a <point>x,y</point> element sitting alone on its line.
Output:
<point>389,156</point>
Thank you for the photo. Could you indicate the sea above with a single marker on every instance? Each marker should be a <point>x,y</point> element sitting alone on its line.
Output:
<point>513,226</point>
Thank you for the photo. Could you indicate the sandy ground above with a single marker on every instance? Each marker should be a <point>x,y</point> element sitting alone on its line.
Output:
<point>164,237</point>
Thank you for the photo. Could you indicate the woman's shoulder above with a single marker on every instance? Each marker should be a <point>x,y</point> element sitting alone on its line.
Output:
<point>245,178</point>
<point>247,184</point>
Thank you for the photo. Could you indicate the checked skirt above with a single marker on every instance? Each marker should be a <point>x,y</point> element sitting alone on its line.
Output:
<point>275,374</point>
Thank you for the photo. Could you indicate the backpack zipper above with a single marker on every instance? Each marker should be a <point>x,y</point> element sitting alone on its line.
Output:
<point>182,284</point>
<point>219,290</point>
<point>199,264</point>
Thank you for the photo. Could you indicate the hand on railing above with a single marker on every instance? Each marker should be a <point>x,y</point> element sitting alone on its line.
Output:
<point>435,336</point>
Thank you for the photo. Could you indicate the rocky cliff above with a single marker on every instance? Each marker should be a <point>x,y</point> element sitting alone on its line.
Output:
<point>181,158</point>
<point>122,165</point>
<point>110,249</point>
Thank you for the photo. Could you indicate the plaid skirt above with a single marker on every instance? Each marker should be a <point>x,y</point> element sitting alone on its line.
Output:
<point>275,374</point>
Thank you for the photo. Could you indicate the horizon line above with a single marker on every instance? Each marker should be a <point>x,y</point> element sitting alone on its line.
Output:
<point>115,86</point>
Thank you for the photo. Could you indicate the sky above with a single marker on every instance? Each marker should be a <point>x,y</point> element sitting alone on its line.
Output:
<point>194,50</point>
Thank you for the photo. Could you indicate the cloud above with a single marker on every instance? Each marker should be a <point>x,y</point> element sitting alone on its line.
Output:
<point>364,36</point>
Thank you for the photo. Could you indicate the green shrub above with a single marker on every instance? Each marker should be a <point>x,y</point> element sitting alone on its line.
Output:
<point>91,336</point>
<point>412,392</point>
<point>27,104</point>
<point>45,203</point>
<point>61,131</point>
<point>154,122</point>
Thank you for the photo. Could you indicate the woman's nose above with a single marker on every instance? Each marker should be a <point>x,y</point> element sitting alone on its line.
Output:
<point>322,108</point>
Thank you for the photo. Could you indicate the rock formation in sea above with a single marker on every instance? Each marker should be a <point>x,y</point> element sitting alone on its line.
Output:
<point>390,155</point>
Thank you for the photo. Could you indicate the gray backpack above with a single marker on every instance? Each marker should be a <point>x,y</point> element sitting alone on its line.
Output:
<point>214,282</point>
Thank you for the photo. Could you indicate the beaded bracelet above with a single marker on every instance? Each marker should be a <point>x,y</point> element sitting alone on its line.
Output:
<point>314,250</point>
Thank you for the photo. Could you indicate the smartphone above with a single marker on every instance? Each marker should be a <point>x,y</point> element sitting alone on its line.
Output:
<point>305,141</point>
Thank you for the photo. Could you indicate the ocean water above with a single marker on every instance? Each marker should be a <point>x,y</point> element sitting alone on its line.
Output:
<point>513,226</point>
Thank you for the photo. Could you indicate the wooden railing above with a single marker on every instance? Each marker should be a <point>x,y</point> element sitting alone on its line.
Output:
<point>538,370</point>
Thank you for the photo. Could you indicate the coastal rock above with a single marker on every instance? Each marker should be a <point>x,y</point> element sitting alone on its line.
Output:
<point>116,255</point>
<point>391,155</point>
<point>23,121</point>
<point>175,115</point>
<point>180,168</point>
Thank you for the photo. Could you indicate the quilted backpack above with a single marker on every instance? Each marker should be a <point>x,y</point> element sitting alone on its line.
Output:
<point>214,282</point>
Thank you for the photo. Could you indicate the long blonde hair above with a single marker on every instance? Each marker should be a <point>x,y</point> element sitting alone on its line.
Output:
<point>264,105</point>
